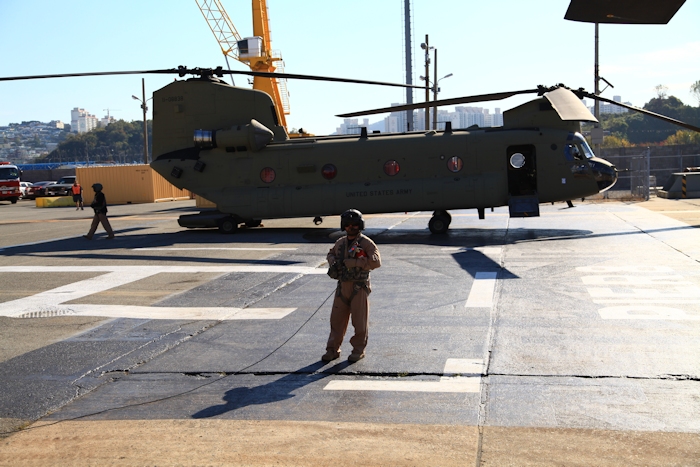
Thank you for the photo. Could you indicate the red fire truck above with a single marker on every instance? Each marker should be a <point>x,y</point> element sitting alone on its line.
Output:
<point>9,182</point>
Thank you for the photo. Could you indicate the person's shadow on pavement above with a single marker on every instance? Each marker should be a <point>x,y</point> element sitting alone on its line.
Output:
<point>274,391</point>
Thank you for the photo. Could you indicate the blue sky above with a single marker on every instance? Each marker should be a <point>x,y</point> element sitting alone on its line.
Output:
<point>499,45</point>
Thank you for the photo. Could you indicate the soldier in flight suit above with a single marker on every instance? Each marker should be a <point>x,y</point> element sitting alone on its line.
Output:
<point>350,260</point>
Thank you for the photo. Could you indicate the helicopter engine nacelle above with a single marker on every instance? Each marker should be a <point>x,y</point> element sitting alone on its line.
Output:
<point>253,136</point>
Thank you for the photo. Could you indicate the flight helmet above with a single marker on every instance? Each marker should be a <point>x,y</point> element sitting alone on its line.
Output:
<point>351,216</point>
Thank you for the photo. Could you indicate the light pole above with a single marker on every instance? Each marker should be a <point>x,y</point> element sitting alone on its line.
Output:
<point>436,89</point>
<point>145,124</point>
<point>425,46</point>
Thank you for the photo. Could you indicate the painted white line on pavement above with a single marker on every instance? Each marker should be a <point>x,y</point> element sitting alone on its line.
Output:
<point>453,366</point>
<point>169,269</point>
<point>216,248</point>
<point>481,294</point>
<point>464,366</point>
<point>487,250</point>
<point>646,312</point>
<point>470,384</point>
<point>673,293</point>
<point>156,312</point>
<point>50,302</point>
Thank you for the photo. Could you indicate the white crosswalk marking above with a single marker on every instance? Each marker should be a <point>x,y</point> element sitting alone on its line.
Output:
<point>481,294</point>
<point>52,302</point>
<point>460,379</point>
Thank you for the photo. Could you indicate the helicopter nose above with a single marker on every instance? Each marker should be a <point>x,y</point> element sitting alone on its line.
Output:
<point>605,173</point>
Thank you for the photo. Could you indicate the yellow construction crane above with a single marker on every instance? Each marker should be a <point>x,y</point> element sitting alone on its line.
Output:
<point>256,51</point>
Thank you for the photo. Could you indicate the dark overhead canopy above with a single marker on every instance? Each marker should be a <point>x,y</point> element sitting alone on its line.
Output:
<point>623,11</point>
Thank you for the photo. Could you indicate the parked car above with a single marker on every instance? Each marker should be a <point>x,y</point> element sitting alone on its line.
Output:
<point>37,189</point>
<point>61,187</point>
<point>23,187</point>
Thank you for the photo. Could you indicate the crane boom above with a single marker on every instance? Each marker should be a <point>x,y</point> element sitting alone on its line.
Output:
<point>220,24</point>
<point>256,53</point>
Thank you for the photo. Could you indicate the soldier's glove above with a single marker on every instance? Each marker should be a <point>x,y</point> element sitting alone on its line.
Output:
<point>335,271</point>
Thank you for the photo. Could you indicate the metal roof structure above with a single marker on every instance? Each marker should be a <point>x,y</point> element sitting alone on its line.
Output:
<point>623,11</point>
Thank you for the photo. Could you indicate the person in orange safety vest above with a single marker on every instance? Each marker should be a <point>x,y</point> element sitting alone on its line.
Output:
<point>77,195</point>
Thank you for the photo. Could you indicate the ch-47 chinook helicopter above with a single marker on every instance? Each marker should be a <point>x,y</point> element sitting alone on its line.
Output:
<point>225,144</point>
<point>238,157</point>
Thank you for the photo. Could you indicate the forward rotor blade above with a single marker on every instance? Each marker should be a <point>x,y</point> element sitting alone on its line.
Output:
<point>182,71</point>
<point>441,102</point>
<point>266,74</point>
<point>645,112</point>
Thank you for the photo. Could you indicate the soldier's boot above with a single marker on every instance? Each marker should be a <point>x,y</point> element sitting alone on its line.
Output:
<point>330,355</point>
<point>356,357</point>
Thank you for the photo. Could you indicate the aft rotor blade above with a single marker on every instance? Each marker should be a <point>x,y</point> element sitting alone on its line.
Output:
<point>266,74</point>
<point>645,112</point>
<point>456,101</point>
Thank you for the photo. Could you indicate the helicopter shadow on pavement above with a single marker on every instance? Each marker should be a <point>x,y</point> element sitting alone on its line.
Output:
<point>136,246</point>
<point>275,391</point>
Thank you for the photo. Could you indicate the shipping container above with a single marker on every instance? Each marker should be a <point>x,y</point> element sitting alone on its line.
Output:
<point>128,184</point>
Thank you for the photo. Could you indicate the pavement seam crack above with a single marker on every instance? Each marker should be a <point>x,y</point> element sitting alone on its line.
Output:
<point>76,382</point>
<point>669,377</point>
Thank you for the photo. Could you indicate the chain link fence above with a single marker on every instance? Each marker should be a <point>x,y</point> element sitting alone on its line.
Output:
<point>643,170</point>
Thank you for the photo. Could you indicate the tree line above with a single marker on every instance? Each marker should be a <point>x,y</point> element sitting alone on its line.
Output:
<point>635,129</point>
<point>118,142</point>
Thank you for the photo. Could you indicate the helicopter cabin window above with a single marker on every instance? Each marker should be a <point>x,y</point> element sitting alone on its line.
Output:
<point>329,171</point>
<point>391,168</point>
<point>267,175</point>
<point>455,164</point>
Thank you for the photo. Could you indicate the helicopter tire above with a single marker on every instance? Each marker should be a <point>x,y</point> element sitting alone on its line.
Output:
<point>253,223</point>
<point>444,214</point>
<point>228,225</point>
<point>439,224</point>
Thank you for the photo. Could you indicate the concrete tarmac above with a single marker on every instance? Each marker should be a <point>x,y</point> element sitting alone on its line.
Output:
<point>568,339</point>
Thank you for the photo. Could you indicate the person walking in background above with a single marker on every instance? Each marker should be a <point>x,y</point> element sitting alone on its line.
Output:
<point>77,195</point>
<point>99,205</point>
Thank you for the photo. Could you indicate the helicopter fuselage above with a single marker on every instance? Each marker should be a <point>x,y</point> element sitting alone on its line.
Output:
<point>253,172</point>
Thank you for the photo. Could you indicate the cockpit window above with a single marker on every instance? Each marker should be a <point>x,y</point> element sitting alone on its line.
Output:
<point>573,153</point>
<point>579,140</point>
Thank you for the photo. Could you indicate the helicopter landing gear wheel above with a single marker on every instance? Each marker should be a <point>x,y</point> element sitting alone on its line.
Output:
<point>253,223</point>
<point>440,222</point>
<point>444,214</point>
<point>228,225</point>
<point>318,220</point>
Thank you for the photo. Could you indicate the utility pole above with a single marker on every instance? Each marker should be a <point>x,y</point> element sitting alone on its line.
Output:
<point>435,88</point>
<point>409,62</point>
<point>145,123</point>
<point>427,83</point>
<point>597,132</point>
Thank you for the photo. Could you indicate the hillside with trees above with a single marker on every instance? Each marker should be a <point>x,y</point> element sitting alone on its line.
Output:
<point>120,142</point>
<point>633,128</point>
